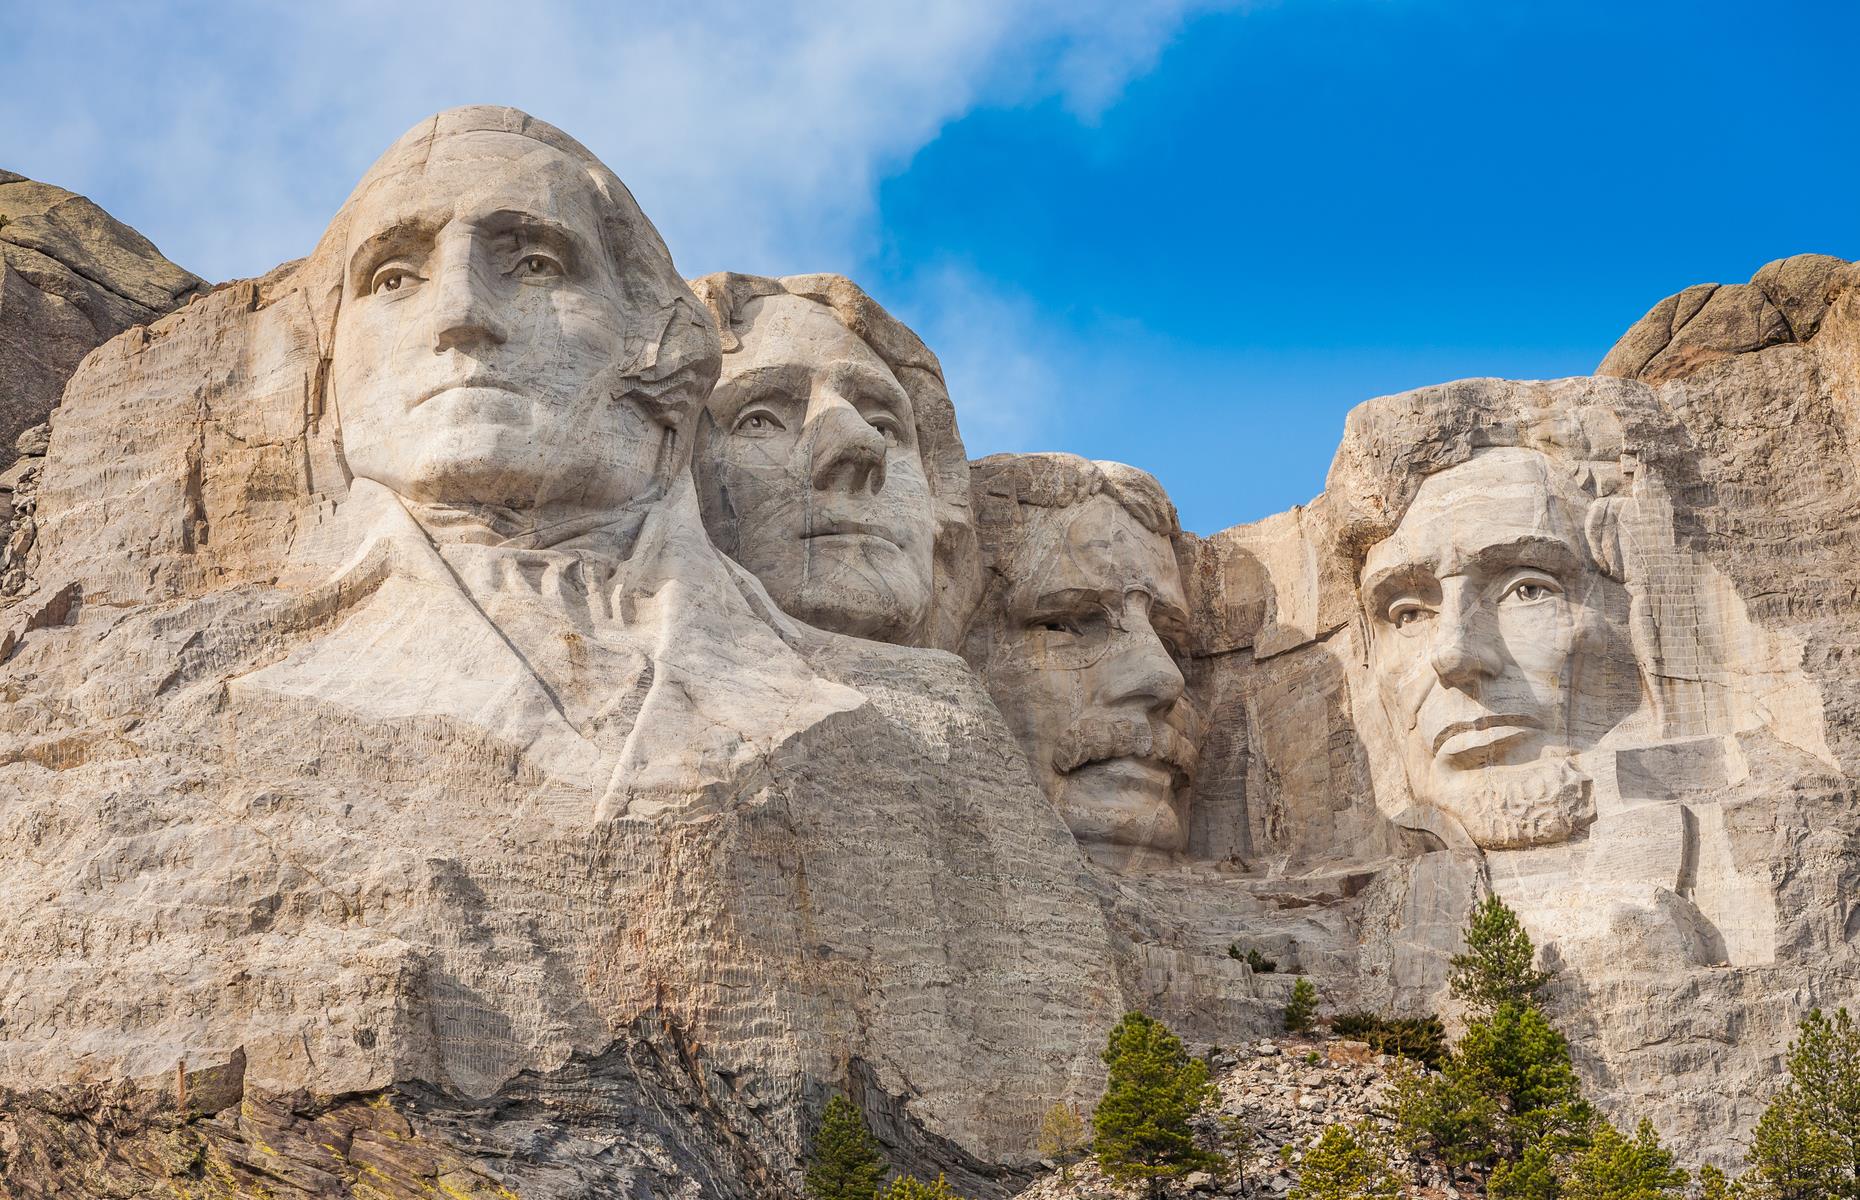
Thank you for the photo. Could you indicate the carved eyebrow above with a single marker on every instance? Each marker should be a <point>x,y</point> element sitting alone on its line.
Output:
<point>868,383</point>
<point>1550,554</point>
<point>398,237</point>
<point>1382,586</point>
<point>526,225</point>
<point>1067,598</point>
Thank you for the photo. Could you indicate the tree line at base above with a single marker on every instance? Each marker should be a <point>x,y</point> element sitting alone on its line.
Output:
<point>1504,1106</point>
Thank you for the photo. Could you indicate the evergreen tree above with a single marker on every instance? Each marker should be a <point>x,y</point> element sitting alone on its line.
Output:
<point>1532,1177</point>
<point>845,1164</point>
<point>909,1187</point>
<point>1714,1186</point>
<point>1444,1114</point>
<point>1496,966</point>
<point>1302,1009</point>
<point>1062,1136</point>
<point>1615,1167</point>
<point>1344,1166</point>
<point>1141,1127</point>
<point>1807,1144</point>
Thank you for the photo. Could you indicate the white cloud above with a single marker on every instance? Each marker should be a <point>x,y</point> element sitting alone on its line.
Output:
<point>754,134</point>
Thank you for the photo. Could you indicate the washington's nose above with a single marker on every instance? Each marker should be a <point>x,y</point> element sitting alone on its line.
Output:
<point>848,454</point>
<point>1461,653</point>
<point>464,310</point>
<point>1144,671</point>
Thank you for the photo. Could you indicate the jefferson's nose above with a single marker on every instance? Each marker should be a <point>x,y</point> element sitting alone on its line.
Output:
<point>464,313</point>
<point>848,454</point>
<point>1141,668</point>
<point>1461,652</point>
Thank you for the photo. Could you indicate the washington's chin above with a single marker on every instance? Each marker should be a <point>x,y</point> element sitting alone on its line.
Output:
<point>1123,802</point>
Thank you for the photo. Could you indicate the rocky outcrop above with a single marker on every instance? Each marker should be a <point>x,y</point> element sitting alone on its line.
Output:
<point>71,278</point>
<point>482,716</point>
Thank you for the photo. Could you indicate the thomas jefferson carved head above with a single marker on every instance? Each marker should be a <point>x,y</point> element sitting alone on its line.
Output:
<point>509,336</point>
<point>1078,639</point>
<point>1498,644</point>
<point>829,464</point>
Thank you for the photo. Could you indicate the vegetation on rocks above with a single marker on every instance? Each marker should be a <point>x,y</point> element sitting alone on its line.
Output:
<point>1301,1010</point>
<point>1344,1166</point>
<point>1142,1128</point>
<point>846,1163</point>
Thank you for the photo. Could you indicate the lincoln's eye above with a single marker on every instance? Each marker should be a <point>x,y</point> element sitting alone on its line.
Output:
<point>761,421</point>
<point>1530,590</point>
<point>1405,615</point>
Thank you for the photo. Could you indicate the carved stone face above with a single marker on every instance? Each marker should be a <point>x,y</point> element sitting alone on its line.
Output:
<point>481,315</point>
<point>811,475</point>
<point>1082,663</point>
<point>1497,647</point>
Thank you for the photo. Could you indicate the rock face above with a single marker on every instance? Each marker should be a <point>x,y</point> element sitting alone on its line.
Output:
<point>71,278</point>
<point>485,714</point>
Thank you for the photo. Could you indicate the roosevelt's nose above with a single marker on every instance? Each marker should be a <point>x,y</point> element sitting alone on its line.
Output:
<point>464,302</point>
<point>1141,668</point>
<point>1461,650</point>
<point>848,454</point>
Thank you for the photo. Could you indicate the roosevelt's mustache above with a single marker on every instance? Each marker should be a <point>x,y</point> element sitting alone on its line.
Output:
<point>1171,741</point>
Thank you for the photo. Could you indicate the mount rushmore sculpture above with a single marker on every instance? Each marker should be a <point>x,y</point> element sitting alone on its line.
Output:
<point>472,679</point>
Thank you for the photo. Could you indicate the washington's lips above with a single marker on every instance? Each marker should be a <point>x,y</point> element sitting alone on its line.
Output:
<point>1482,733</point>
<point>845,528</point>
<point>484,383</point>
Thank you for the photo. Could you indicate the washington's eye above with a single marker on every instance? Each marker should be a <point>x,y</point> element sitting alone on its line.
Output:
<point>759,422</point>
<point>391,278</point>
<point>537,266</point>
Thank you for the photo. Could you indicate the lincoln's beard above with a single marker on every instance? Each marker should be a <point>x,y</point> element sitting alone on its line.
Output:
<point>1515,807</point>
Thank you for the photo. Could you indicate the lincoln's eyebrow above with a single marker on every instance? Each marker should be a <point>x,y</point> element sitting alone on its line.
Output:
<point>399,236</point>
<point>1385,583</point>
<point>1551,554</point>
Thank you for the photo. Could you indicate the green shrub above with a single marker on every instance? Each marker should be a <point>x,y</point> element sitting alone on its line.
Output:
<point>1614,1167</point>
<point>1141,1128</point>
<point>1345,1166</point>
<point>1807,1143</point>
<point>909,1187</point>
<point>1253,958</point>
<point>1496,967</point>
<point>845,1163</point>
<point>1423,1039</point>
<point>1301,1011</point>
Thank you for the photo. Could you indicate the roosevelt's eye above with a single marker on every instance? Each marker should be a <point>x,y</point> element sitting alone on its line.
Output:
<point>1530,589</point>
<point>759,422</point>
<point>537,266</point>
<point>393,277</point>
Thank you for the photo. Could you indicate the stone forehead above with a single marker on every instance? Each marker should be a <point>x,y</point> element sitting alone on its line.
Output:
<point>1495,497</point>
<point>1095,543</point>
<point>783,328</point>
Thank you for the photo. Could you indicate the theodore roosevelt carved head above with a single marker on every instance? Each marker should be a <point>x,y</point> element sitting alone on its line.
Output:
<point>1079,637</point>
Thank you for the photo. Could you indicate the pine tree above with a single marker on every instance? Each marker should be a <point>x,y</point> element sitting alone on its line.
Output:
<point>1807,1143</point>
<point>1714,1186</point>
<point>1062,1136</point>
<point>1302,1009</point>
<point>1141,1127</point>
<point>1615,1167</point>
<point>845,1164</point>
<point>1532,1177</point>
<point>909,1187</point>
<point>1343,1166</point>
<point>1496,966</point>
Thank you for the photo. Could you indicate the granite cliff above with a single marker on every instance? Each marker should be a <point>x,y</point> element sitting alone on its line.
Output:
<point>488,717</point>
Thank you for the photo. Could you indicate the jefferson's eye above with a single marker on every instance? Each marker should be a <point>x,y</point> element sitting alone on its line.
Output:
<point>391,278</point>
<point>759,422</point>
<point>537,266</point>
<point>888,427</point>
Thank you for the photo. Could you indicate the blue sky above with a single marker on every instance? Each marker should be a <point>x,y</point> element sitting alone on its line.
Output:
<point>1186,234</point>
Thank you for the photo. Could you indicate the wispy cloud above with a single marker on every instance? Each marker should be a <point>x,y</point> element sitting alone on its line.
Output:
<point>754,134</point>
